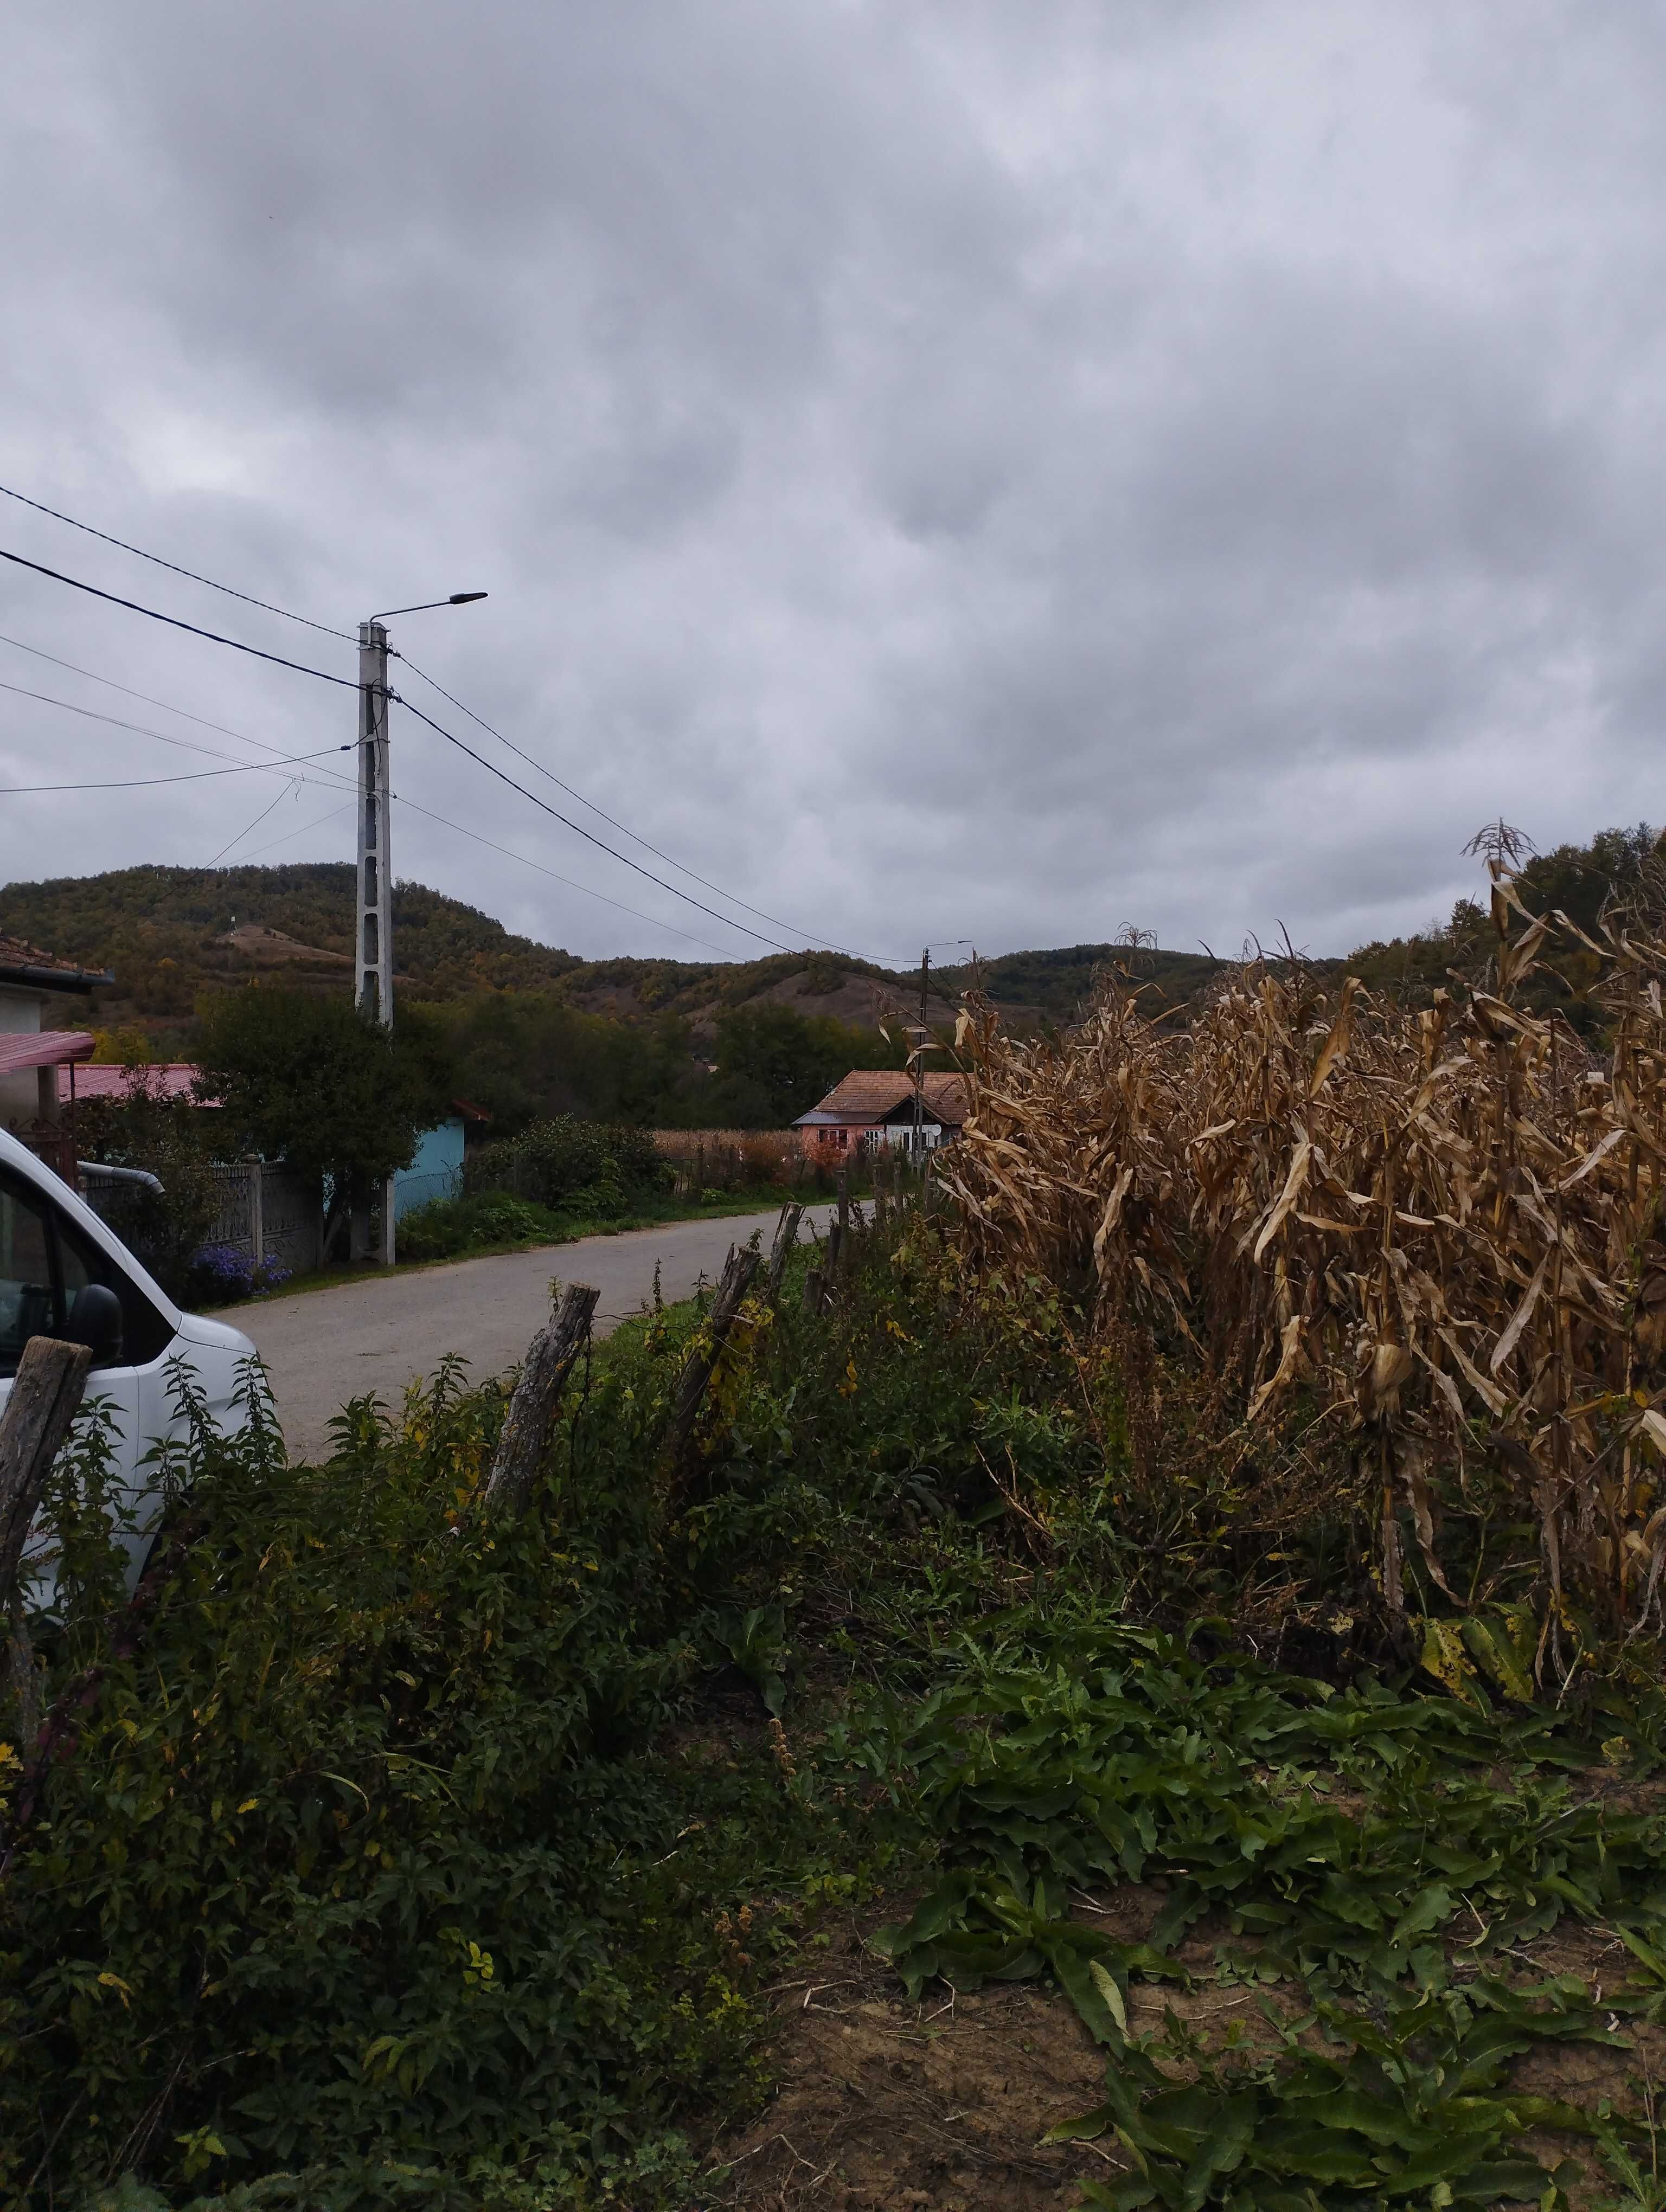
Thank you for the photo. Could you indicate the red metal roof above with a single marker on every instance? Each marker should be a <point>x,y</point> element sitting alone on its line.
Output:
<point>24,1048</point>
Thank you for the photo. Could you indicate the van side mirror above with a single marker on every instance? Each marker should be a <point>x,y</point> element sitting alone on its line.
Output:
<point>95,1319</point>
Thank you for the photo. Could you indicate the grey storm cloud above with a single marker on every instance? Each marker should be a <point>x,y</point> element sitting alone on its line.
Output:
<point>941,470</point>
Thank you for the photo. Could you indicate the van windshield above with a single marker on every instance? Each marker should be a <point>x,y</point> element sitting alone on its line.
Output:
<point>29,1300</point>
<point>43,1260</point>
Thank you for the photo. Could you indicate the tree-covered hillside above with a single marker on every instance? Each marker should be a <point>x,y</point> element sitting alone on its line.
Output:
<point>1620,872</point>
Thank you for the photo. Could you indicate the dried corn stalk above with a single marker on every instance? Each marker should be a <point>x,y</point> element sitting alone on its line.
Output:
<point>1441,1228</point>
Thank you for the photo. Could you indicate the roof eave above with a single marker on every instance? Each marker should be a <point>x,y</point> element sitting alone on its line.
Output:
<point>79,979</point>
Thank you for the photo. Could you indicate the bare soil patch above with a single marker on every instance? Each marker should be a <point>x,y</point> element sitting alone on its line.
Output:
<point>893,2107</point>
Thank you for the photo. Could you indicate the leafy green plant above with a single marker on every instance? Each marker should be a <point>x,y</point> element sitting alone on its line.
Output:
<point>1061,1756</point>
<point>447,1226</point>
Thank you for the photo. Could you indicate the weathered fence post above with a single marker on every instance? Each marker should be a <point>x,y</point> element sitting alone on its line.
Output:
<point>787,1235</point>
<point>733,1285</point>
<point>550,1358</point>
<point>815,1291</point>
<point>45,1395</point>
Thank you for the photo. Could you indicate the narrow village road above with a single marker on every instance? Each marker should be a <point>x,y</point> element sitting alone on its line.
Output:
<point>323,1348</point>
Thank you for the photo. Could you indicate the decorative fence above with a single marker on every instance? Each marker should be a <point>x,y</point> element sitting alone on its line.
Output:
<point>272,1213</point>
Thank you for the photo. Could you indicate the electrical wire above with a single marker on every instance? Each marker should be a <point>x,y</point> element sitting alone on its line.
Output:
<point>301,668</point>
<point>291,786</point>
<point>167,705</point>
<point>247,598</point>
<point>145,782</point>
<point>567,821</point>
<point>279,660</point>
<point>571,882</point>
<point>163,736</point>
<point>273,843</point>
<point>174,622</point>
<point>188,744</point>
<point>613,822</point>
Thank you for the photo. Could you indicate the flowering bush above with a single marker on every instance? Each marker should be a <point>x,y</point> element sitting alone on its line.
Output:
<point>224,1275</point>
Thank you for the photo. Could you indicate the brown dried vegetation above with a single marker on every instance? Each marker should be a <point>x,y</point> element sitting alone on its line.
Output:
<point>1407,1259</point>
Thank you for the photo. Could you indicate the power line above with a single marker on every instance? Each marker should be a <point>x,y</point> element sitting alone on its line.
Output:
<point>141,729</point>
<point>143,782</point>
<point>571,882</point>
<point>291,785</point>
<point>567,821</point>
<point>247,598</point>
<point>445,822</point>
<point>613,820</point>
<point>273,843</point>
<point>167,705</point>
<point>301,668</point>
<point>174,622</point>
<point>163,736</point>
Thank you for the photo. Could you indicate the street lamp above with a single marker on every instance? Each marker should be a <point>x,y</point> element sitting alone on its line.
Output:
<point>373,966</point>
<point>457,599</point>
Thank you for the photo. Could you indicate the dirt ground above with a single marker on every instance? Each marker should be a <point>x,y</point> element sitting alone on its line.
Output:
<point>885,2105</point>
<point>891,2106</point>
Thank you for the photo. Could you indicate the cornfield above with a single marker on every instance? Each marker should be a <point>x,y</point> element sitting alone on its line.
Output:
<point>1412,1256</point>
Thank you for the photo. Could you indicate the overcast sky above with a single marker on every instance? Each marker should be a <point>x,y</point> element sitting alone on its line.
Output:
<point>941,470</point>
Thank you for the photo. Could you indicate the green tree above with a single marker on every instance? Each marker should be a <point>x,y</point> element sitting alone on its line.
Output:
<point>310,1081</point>
<point>774,1064</point>
<point>167,1138</point>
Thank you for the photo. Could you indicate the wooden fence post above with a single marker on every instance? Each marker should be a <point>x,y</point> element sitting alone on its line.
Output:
<point>550,1358</point>
<point>46,1393</point>
<point>733,1285</point>
<point>256,1181</point>
<point>787,1235</point>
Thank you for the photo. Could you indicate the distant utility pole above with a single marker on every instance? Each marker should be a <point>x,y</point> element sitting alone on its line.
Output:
<point>373,965</point>
<point>919,1060</point>
<point>373,989</point>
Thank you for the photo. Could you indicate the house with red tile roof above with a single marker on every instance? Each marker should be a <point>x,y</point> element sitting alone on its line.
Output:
<point>876,1106</point>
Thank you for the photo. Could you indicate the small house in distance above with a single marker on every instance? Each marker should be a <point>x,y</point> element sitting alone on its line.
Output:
<point>875,1106</point>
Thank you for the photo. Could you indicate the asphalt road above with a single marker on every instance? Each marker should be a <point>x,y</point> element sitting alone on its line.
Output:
<point>323,1348</point>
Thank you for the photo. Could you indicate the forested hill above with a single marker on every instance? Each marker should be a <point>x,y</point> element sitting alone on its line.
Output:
<point>1059,985</point>
<point>167,934</point>
<point>170,933</point>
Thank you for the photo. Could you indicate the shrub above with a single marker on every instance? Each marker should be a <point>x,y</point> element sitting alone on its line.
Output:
<point>567,1161</point>
<point>449,1225</point>
<point>361,1872</point>
<point>168,1138</point>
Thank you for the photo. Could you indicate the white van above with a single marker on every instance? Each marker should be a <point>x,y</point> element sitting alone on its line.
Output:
<point>64,1273</point>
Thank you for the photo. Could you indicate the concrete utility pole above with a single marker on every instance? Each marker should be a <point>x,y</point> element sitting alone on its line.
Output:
<point>919,1061</point>
<point>373,972</point>
<point>373,965</point>
<point>373,989</point>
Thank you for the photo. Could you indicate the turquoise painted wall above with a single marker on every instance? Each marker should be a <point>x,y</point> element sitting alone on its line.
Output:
<point>436,1171</point>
